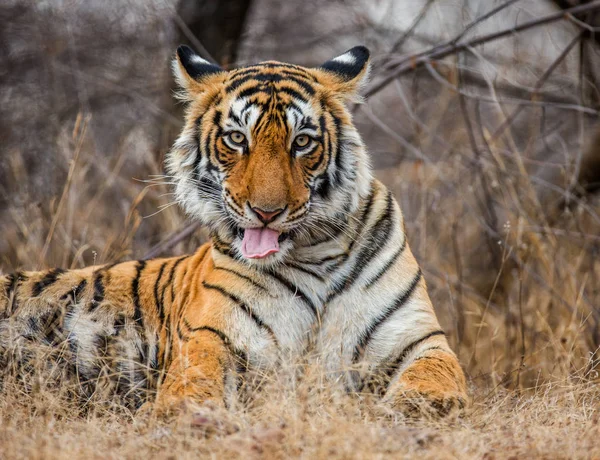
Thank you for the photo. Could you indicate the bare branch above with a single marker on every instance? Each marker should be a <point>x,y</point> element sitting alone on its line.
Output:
<point>480,19</point>
<point>411,62</point>
<point>398,44</point>
<point>192,38</point>
<point>508,121</point>
<point>172,240</point>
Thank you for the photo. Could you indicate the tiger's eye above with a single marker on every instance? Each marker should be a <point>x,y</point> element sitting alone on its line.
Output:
<point>237,137</point>
<point>302,141</point>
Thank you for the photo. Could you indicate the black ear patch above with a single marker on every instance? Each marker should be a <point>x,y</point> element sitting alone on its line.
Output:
<point>350,64</point>
<point>194,65</point>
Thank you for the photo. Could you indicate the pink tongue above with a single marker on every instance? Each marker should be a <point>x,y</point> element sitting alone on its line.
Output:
<point>260,242</point>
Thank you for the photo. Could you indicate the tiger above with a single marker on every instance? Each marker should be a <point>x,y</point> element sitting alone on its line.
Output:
<point>307,256</point>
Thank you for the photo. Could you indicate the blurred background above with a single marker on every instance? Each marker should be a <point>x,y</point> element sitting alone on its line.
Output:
<point>480,116</point>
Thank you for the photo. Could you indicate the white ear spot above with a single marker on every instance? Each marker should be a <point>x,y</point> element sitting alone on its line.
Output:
<point>346,58</point>
<point>350,65</point>
<point>198,60</point>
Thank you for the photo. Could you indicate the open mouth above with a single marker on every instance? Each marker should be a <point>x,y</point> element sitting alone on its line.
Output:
<point>258,243</point>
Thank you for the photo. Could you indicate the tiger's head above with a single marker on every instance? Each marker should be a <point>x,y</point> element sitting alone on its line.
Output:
<point>269,154</point>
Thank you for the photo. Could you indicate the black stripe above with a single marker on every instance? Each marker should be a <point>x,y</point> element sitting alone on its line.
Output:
<point>11,295</point>
<point>244,71</point>
<point>181,335</point>
<point>323,260</point>
<point>339,165</point>
<point>388,265</point>
<point>154,362</point>
<point>378,236</point>
<point>304,84</point>
<point>73,294</point>
<point>157,300</point>
<point>226,341</point>
<point>239,80</point>
<point>324,187</point>
<point>217,332</point>
<point>317,162</point>
<point>234,117</point>
<point>384,373</point>
<point>395,364</point>
<point>295,290</point>
<point>364,217</point>
<point>388,313</point>
<point>259,322</point>
<point>10,286</point>
<point>244,277</point>
<point>135,293</point>
<point>167,284</point>
<point>240,355</point>
<point>292,92</point>
<point>220,245</point>
<point>325,231</point>
<point>300,75</point>
<point>48,279</point>
<point>98,292</point>
<point>207,148</point>
<point>52,327</point>
<point>198,158</point>
<point>305,270</point>
<point>250,92</point>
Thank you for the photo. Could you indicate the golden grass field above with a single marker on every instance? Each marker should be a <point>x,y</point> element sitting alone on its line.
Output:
<point>555,420</point>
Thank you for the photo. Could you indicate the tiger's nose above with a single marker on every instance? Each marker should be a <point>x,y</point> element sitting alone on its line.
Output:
<point>265,216</point>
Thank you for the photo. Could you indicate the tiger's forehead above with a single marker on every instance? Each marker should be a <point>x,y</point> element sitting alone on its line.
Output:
<point>272,71</point>
<point>264,79</point>
<point>286,93</point>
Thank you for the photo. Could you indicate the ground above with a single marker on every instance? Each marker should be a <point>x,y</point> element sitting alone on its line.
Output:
<point>559,420</point>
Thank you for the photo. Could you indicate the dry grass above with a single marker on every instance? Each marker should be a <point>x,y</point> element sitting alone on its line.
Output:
<point>507,239</point>
<point>558,420</point>
<point>538,401</point>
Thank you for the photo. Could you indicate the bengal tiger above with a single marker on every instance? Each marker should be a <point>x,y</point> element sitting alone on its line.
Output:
<point>308,253</point>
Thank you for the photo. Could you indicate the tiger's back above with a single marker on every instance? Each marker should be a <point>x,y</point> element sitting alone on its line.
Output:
<point>108,324</point>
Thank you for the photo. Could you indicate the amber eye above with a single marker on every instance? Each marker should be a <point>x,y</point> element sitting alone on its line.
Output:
<point>237,138</point>
<point>302,141</point>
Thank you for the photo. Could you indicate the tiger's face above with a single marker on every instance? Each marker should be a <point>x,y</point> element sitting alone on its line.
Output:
<point>269,153</point>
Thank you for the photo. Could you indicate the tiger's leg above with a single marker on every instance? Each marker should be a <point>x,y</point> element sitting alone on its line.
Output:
<point>430,383</point>
<point>197,373</point>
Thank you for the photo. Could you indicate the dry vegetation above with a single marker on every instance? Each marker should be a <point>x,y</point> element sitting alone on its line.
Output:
<point>506,228</point>
<point>554,420</point>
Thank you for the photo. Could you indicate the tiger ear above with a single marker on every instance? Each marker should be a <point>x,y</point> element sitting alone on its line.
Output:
<point>349,71</point>
<point>192,72</point>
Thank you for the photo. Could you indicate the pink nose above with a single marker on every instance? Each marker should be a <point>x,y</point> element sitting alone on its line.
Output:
<point>267,216</point>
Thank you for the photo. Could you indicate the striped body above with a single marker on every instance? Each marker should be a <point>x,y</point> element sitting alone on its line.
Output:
<point>343,287</point>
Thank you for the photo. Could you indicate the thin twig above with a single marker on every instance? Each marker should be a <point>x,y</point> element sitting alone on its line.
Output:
<point>487,207</point>
<point>508,121</point>
<point>435,74</point>
<point>79,132</point>
<point>411,62</point>
<point>398,44</point>
<point>482,18</point>
<point>192,38</point>
<point>172,240</point>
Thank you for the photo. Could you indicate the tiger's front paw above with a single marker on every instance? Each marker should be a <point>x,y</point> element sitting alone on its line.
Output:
<point>208,418</point>
<point>168,405</point>
<point>427,403</point>
<point>433,386</point>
